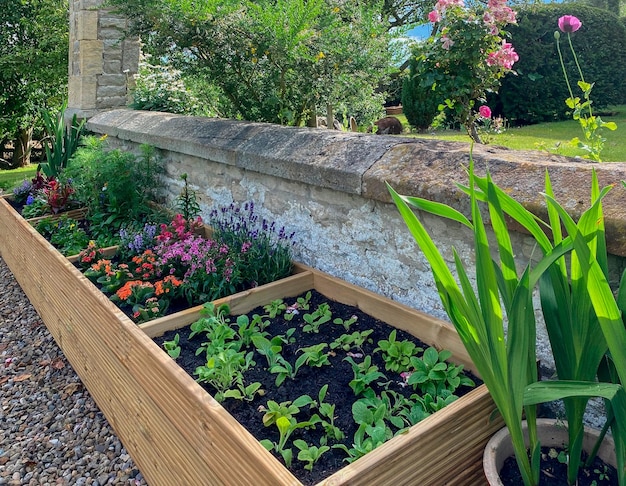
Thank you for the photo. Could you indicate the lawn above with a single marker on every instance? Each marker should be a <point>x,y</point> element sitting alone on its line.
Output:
<point>552,137</point>
<point>13,177</point>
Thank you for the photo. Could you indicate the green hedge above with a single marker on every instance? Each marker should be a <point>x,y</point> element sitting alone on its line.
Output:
<point>538,92</point>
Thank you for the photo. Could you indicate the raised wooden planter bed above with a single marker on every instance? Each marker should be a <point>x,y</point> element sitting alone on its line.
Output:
<point>176,432</point>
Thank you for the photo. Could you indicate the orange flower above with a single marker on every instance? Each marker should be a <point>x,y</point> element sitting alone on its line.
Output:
<point>127,289</point>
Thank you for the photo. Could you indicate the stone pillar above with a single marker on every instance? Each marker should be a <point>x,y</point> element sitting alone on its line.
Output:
<point>101,62</point>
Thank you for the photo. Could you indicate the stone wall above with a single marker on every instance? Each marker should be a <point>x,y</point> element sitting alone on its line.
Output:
<point>101,61</point>
<point>328,188</point>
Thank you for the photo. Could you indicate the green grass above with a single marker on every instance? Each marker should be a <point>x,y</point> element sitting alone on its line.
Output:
<point>11,178</point>
<point>552,137</point>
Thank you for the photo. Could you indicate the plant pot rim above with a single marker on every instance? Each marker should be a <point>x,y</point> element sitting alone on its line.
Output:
<point>552,432</point>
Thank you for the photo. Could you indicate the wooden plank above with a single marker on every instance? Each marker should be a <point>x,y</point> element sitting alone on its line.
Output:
<point>74,214</point>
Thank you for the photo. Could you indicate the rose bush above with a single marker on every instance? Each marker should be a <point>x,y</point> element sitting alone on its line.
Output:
<point>466,57</point>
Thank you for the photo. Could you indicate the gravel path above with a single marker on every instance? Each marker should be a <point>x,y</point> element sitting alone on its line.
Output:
<point>51,430</point>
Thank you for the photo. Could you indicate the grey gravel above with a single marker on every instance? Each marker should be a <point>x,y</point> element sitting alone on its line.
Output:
<point>51,431</point>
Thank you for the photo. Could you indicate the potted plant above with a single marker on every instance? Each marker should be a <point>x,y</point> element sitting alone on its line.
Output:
<point>507,363</point>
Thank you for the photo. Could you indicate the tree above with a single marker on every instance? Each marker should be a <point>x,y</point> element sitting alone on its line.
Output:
<point>274,60</point>
<point>33,68</point>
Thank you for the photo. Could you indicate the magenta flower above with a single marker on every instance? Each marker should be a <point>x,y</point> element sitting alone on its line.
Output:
<point>484,111</point>
<point>569,23</point>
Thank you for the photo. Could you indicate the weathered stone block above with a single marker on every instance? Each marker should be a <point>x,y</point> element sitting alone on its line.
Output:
<point>82,92</point>
<point>87,25</point>
<point>113,80</point>
<point>111,102</point>
<point>90,57</point>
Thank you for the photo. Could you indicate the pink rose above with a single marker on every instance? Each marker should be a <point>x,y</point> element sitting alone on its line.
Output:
<point>434,16</point>
<point>569,23</point>
<point>484,111</point>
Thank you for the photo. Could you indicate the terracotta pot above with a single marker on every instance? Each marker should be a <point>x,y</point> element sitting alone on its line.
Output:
<point>551,434</point>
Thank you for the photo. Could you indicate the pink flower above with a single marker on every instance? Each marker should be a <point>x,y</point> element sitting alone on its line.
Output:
<point>504,57</point>
<point>446,42</point>
<point>434,16</point>
<point>569,23</point>
<point>484,111</point>
<point>441,5</point>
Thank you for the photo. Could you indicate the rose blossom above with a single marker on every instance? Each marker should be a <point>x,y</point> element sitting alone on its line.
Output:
<point>434,16</point>
<point>484,111</point>
<point>569,23</point>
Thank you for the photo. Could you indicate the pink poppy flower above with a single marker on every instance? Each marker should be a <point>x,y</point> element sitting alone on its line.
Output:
<point>569,23</point>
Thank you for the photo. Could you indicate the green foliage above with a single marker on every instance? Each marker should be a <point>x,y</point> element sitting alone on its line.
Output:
<point>160,87</point>
<point>315,319</point>
<point>432,375</point>
<point>173,347</point>
<point>64,233</point>
<point>33,64</point>
<point>274,60</point>
<point>397,354</point>
<point>537,92</point>
<point>309,453</point>
<point>187,202</point>
<point>355,340</point>
<point>60,141</point>
<point>465,58</point>
<point>364,374</point>
<point>117,187</point>
<point>508,365</point>
<point>591,125</point>
<point>419,102</point>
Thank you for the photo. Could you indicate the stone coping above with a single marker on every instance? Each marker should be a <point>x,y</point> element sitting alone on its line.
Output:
<point>360,164</point>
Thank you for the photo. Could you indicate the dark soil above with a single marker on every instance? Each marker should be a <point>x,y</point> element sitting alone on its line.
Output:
<point>308,380</point>
<point>554,473</point>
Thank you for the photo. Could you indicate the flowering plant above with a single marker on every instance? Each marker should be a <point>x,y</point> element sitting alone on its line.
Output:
<point>58,194</point>
<point>591,125</point>
<point>134,243</point>
<point>263,250</point>
<point>467,56</point>
<point>90,255</point>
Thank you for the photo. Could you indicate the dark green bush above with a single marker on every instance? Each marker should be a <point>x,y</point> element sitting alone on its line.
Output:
<point>538,92</point>
<point>419,102</point>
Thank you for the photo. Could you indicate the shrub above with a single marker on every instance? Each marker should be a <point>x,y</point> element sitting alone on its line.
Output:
<point>419,103</point>
<point>537,92</point>
<point>116,187</point>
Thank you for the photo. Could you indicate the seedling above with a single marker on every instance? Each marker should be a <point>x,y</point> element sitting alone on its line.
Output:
<point>313,356</point>
<point>357,339</point>
<point>223,369</point>
<point>172,347</point>
<point>320,316</point>
<point>309,453</point>
<point>364,374</point>
<point>275,308</point>
<point>397,354</point>
<point>211,316</point>
<point>242,392</point>
<point>283,369</point>
<point>345,323</point>
<point>432,374</point>
<point>327,410</point>
<point>270,349</point>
